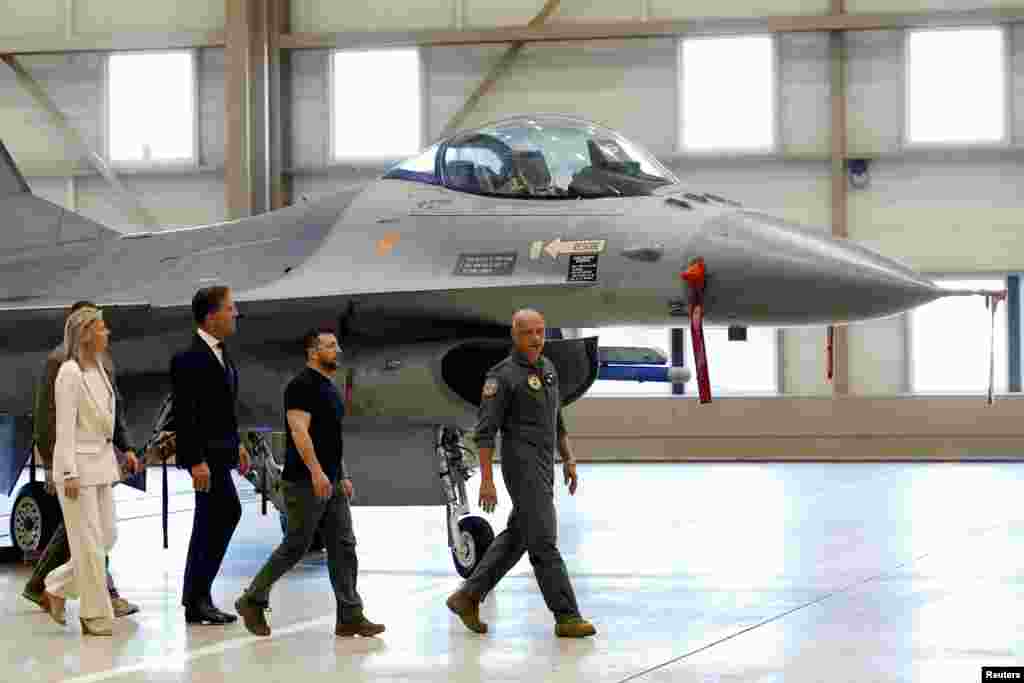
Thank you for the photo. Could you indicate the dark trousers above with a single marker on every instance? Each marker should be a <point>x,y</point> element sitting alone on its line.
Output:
<point>218,512</point>
<point>56,553</point>
<point>533,529</point>
<point>305,513</point>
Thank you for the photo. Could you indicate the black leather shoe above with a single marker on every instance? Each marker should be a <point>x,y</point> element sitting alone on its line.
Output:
<point>206,614</point>
<point>231,618</point>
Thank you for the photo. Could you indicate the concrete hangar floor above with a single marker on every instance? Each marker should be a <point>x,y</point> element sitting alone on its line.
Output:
<point>730,572</point>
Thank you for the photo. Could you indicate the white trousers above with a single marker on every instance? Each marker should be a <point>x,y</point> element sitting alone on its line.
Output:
<point>91,534</point>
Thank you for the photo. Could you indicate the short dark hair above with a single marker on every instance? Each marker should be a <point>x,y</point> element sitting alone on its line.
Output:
<point>78,305</point>
<point>208,300</point>
<point>311,339</point>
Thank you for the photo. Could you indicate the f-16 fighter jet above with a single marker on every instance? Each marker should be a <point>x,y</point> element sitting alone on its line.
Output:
<point>420,272</point>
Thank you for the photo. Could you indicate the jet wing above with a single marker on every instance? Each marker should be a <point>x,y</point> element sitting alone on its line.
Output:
<point>31,326</point>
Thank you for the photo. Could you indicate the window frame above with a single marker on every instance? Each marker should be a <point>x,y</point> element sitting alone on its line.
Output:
<point>193,162</point>
<point>776,100</point>
<point>424,93</point>
<point>1006,56</point>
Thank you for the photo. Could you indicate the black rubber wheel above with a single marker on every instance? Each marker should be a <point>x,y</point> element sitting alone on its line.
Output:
<point>478,536</point>
<point>34,518</point>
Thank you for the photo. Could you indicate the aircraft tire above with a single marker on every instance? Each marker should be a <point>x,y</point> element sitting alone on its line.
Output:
<point>478,535</point>
<point>34,518</point>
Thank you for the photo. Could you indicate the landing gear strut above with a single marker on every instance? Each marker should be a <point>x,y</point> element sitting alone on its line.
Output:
<point>468,536</point>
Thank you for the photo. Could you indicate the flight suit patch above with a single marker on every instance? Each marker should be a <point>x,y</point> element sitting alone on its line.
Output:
<point>534,382</point>
<point>490,388</point>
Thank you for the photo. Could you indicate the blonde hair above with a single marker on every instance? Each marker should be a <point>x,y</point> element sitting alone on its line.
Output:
<point>75,331</point>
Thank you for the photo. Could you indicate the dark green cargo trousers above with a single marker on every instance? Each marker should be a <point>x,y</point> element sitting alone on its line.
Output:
<point>305,512</point>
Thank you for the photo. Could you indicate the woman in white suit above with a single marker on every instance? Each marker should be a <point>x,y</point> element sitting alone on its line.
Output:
<point>85,467</point>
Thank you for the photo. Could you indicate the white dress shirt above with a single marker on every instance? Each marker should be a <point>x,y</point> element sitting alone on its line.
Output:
<point>213,342</point>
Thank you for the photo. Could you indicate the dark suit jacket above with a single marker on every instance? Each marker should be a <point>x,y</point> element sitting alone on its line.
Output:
<point>44,415</point>
<point>205,396</point>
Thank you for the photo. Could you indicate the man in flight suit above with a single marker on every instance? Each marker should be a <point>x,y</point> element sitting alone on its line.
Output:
<point>521,398</point>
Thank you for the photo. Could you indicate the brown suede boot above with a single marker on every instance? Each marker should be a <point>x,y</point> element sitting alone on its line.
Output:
<point>359,625</point>
<point>467,607</point>
<point>254,616</point>
<point>574,627</point>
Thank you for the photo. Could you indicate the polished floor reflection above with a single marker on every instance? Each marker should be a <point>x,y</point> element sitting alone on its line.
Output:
<point>774,572</point>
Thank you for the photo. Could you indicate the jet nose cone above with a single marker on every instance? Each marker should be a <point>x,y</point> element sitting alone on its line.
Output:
<point>763,270</point>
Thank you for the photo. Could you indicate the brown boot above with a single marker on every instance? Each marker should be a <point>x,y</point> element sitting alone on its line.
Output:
<point>574,627</point>
<point>358,626</point>
<point>467,607</point>
<point>254,615</point>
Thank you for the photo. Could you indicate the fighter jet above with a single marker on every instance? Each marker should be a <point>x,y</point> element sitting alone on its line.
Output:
<point>420,271</point>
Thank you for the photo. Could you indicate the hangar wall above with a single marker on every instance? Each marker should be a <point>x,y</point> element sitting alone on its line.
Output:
<point>941,212</point>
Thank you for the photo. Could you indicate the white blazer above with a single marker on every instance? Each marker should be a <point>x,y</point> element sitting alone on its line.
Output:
<point>85,429</point>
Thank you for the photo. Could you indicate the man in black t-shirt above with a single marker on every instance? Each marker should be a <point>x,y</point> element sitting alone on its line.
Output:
<point>316,489</point>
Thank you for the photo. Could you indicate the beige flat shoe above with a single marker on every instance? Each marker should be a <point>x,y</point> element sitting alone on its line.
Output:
<point>100,626</point>
<point>55,608</point>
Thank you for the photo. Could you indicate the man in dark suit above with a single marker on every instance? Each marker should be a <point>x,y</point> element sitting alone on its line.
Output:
<point>205,388</point>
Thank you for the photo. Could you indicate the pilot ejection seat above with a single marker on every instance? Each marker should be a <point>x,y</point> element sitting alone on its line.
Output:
<point>531,166</point>
<point>462,176</point>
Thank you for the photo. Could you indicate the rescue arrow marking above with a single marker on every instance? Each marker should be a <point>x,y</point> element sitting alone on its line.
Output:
<point>557,247</point>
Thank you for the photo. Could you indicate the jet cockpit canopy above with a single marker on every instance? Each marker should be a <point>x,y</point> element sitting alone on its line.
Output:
<point>539,157</point>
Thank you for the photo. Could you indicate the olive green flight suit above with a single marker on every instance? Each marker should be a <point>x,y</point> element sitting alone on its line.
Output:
<point>522,401</point>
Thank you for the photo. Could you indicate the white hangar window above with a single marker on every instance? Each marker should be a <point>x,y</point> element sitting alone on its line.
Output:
<point>728,94</point>
<point>949,342</point>
<point>151,108</point>
<point>956,86</point>
<point>376,103</point>
<point>737,367</point>
<point>631,337</point>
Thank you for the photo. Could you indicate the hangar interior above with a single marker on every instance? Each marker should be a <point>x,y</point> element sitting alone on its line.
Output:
<point>814,110</point>
<point>947,209</point>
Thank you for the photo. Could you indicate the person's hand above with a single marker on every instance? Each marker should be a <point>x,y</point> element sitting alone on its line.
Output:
<point>346,486</point>
<point>132,461</point>
<point>244,461</point>
<point>71,488</point>
<point>488,495</point>
<point>201,477</point>
<point>322,485</point>
<point>571,480</point>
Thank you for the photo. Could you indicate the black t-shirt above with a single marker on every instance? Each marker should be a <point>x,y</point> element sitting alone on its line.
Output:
<point>313,393</point>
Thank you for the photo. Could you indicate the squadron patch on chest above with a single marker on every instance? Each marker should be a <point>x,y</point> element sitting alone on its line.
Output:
<point>534,382</point>
<point>490,388</point>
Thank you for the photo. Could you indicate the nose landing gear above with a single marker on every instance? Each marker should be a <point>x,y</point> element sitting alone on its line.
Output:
<point>469,536</point>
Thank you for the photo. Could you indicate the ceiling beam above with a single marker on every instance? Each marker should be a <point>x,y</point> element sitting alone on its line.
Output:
<point>565,31</point>
<point>113,42</point>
